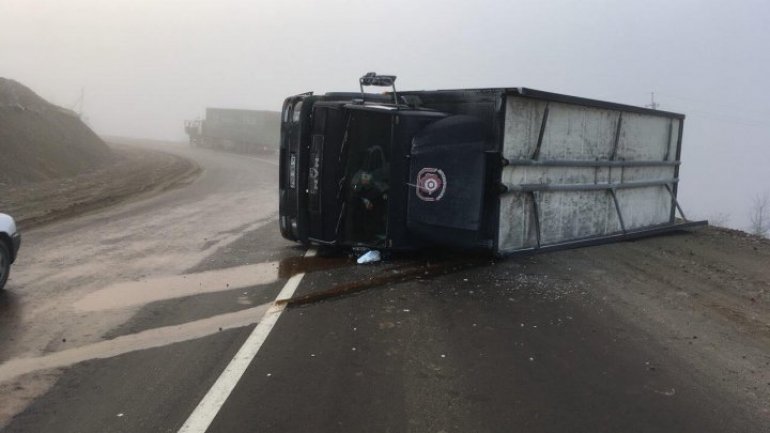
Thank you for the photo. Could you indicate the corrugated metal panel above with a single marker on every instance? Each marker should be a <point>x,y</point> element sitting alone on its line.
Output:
<point>560,172</point>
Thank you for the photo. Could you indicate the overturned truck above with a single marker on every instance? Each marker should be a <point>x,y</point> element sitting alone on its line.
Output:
<point>508,170</point>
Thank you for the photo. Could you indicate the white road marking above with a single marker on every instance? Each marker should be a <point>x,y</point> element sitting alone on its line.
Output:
<point>212,402</point>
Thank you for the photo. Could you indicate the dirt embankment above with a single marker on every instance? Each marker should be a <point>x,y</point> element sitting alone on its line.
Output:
<point>52,165</point>
<point>40,141</point>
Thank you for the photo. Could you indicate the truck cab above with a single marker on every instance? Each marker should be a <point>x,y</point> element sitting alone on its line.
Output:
<point>356,170</point>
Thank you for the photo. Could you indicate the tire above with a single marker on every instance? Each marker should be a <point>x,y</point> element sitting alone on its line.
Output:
<point>5,263</point>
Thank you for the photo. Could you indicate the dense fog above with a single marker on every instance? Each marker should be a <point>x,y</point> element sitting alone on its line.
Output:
<point>140,68</point>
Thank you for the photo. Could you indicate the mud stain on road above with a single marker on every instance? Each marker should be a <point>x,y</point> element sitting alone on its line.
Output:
<point>291,266</point>
<point>11,311</point>
<point>149,339</point>
<point>15,395</point>
<point>8,305</point>
<point>400,273</point>
<point>133,293</point>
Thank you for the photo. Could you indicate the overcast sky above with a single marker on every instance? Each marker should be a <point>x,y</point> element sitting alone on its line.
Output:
<point>146,65</point>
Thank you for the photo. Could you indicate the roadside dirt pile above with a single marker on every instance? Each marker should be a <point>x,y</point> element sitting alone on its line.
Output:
<point>40,141</point>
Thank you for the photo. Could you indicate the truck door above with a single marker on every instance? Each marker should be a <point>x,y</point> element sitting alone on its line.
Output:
<point>447,179</point>
<point>365,177</point>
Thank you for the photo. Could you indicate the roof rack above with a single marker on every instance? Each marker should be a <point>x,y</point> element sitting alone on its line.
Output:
<point>372,79</point>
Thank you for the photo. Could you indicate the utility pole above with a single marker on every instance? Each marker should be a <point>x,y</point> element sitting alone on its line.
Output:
<point>654,105</point>
<point>82,101</point>
<point>79,106</point>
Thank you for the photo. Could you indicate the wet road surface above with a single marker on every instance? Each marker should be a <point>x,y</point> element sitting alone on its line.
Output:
<point>103,275</point>
<point>154,299</point>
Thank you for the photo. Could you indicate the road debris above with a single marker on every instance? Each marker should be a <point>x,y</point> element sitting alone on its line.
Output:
<point>371,256</point>
<point>668,392</point>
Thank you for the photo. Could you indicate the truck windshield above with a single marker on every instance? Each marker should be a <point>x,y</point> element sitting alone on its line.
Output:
<point>367,174</point>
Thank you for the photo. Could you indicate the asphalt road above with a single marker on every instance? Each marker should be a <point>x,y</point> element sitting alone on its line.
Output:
<point>122,321</point>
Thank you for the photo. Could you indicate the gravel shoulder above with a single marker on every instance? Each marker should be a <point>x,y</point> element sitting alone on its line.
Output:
<point>133,172</point>
<point>703,296</point>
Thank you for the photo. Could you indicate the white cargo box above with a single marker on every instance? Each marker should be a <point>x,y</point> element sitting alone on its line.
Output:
<point>578,172</point>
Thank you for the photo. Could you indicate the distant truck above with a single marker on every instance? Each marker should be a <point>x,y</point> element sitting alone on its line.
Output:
<point>508,170</point>
<point>194,130</point>
<point>236,130</point>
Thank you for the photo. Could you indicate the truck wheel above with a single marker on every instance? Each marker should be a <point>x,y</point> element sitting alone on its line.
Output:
<point>5,263</point>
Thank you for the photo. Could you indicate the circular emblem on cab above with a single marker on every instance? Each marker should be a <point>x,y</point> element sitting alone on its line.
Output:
<point>431,184</point>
